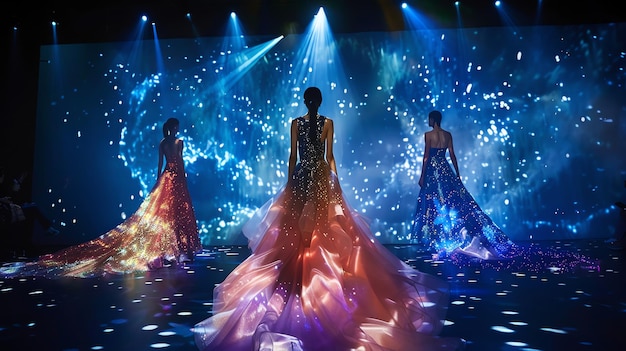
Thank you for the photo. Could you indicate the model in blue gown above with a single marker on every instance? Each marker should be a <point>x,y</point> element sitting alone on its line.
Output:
<point>449,223</point>
<point>448,219</point>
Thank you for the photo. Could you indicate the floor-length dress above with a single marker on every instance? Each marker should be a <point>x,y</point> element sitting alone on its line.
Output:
<point>317,279</point>
<point>448,219</point>
<point>163,228</point>
<point>449,223</point>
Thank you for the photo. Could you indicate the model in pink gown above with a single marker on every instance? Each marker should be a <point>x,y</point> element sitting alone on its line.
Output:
<point>163,228</point>
<point>317,279</point>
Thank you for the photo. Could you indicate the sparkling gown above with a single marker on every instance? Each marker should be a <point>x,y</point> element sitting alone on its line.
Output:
<point>317,279</point>
<point>163,228</point>
<point>448,219</point>
<point>449,222</point>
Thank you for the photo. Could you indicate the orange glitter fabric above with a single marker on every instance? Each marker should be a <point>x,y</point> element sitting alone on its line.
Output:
<point>164,227</point>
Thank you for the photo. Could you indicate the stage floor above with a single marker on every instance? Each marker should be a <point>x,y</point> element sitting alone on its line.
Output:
<point>492,309</point>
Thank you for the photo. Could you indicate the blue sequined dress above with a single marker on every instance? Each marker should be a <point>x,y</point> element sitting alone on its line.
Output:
<point>318,280</point>
<point>448,219</point>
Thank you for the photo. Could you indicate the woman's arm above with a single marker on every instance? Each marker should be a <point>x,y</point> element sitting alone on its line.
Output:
<point>453,157</point>
<point>161,155</point>
<point>328,138</point>
<point>293,152</point>
<point>425,158</point>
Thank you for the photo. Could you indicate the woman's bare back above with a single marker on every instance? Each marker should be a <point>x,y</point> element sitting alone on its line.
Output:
<point>171,148</point>
<point>438,138</point>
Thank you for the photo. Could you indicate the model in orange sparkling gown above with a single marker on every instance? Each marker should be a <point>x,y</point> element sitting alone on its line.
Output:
<point>163,228</point>
<point>317,279</point>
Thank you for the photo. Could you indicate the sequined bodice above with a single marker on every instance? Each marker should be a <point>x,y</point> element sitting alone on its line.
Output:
<point>439,152</point>
<point>310,151</point>
<point>175,166</point>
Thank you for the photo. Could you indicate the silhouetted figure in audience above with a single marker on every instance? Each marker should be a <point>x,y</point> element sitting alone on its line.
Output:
<point>18,218</point>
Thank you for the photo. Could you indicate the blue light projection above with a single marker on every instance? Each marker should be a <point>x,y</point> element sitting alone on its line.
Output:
<point>537,115</point>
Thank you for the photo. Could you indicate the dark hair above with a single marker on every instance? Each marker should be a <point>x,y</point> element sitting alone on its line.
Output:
<point>436,116</point>
<point>312,95</point>
<point>168,125</point>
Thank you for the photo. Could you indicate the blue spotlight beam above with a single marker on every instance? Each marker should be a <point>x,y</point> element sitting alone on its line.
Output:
<point>246,59</point>
<point>318,59</point>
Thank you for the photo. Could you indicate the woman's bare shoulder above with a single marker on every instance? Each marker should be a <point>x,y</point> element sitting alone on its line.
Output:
<point>328,123</point>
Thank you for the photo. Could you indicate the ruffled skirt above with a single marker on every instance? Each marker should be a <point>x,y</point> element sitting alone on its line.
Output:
<point>317,279</point>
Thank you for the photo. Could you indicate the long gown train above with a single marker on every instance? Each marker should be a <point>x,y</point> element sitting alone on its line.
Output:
<point>447,218</point>
<point>163,227</point>
<point>450,223</point>
<point>317,279</point>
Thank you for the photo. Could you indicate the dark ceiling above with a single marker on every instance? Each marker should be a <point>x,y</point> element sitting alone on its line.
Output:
<point>92,21</point>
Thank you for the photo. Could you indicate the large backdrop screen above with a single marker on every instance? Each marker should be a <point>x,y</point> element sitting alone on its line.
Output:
<point>537,114</point>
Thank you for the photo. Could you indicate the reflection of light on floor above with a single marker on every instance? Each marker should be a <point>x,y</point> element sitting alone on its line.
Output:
<point>502,329</point>
<point>518,324</point>
<point>509,312</point>
<point>205,254</point>
<point>518,344</point>
<point>163,306</point>
<point>552,330</point>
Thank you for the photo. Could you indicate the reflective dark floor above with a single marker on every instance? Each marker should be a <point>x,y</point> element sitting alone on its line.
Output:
<point>492,309</point>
